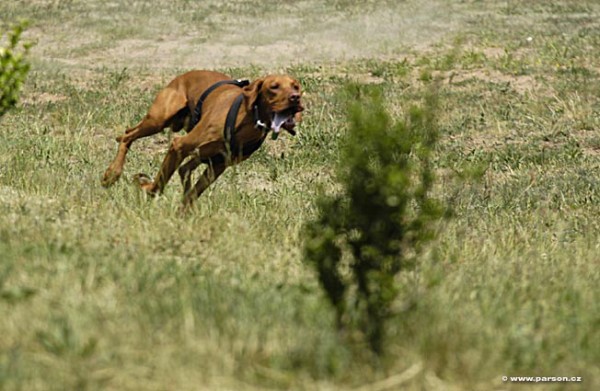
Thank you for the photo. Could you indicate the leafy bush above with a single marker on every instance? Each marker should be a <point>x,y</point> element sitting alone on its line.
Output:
<point>376,226</point>
<point>13,68</point>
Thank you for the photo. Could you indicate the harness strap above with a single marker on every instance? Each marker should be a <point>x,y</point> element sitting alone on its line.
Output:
<point>229,130</point>
<point>198,110</point>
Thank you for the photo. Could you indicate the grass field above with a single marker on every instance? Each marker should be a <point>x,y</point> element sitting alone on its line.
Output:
<point>105,289</point>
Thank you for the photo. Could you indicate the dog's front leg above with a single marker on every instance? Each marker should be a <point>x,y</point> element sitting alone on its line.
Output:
<point>179,150</point>
<point>185,173</point>
<point>209,175</point>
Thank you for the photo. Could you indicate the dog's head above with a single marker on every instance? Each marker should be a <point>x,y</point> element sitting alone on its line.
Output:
<point>279,98</point>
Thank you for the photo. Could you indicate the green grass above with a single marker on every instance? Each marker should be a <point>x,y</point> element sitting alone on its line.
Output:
<point>104,289</point>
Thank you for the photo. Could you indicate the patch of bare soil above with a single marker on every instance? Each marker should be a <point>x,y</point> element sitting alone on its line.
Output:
<point>520,83</point>
<point>43,97</point>
<point>274,40</point>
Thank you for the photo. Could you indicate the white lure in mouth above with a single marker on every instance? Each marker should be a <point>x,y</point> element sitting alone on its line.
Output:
<point>280,119</point>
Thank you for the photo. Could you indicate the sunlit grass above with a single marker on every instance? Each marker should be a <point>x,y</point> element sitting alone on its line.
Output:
<point>105,289</point>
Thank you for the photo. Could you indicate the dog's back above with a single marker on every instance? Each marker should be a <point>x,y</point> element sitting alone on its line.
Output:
<point>193,84</point>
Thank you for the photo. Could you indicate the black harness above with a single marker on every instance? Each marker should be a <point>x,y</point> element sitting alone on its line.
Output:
<point>198,110</point>
<point>229,130</point>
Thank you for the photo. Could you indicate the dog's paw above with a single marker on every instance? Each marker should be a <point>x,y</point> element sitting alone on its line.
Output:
<point>110,177</point>
<point>145,183</point>
<point>141,178</point>
<point>184,210</point>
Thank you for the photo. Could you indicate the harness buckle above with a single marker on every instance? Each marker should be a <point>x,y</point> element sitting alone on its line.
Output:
<point>258,124</point>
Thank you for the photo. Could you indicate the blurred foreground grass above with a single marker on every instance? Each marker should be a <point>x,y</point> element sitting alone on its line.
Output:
<point>103,289</point>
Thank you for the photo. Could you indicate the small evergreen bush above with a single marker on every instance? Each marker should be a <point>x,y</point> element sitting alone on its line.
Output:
<point>376,225</point>
<point>13,68</point>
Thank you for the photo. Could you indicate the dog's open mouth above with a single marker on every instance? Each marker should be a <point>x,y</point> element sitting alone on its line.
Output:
<point>284,119</point>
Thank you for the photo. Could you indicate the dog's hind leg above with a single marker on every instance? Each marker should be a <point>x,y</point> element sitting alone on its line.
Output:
<point>168,103</point>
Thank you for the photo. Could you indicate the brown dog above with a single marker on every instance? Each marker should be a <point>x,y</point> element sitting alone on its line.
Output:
<point>268,103</point>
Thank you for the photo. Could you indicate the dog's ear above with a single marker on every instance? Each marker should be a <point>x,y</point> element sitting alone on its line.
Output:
<point>252,91</point>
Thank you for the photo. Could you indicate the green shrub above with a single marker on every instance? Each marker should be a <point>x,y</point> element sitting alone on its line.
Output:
<point>376,226</point>
<point>13,68</point>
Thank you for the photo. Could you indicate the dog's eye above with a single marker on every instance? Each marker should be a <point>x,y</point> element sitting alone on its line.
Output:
<point>274,86</point>
<point>296,87</point>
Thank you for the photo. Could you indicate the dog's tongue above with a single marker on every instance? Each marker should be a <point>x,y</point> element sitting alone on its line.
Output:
<point>278,120</point>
